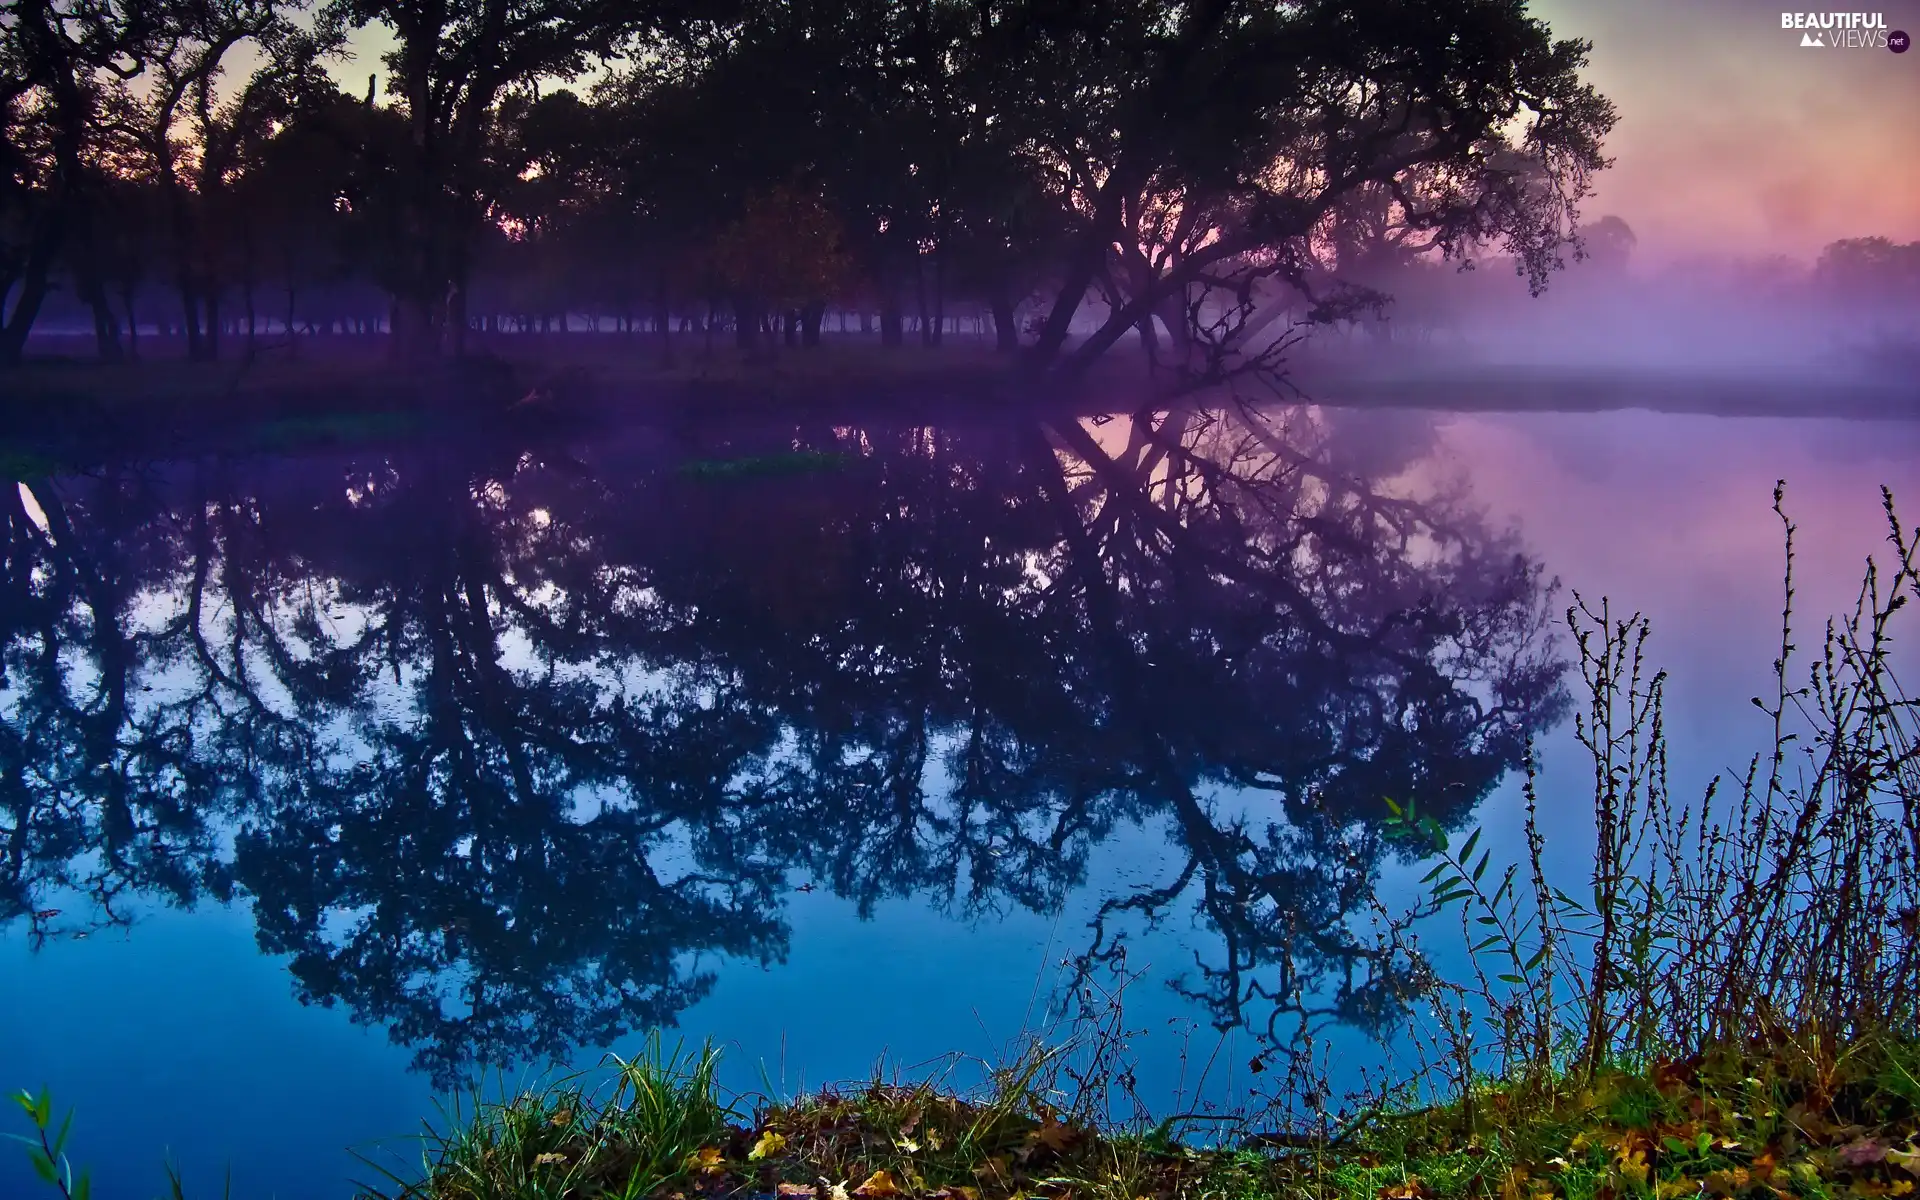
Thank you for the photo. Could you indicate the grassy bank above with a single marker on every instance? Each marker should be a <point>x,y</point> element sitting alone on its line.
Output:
<point>1812,1117</point>
<point>1815,1119</point>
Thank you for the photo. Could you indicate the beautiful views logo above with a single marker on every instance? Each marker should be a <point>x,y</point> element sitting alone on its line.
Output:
<point>1844,30</point>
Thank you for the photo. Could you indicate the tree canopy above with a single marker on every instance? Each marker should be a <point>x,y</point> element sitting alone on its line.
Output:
<point>1178,170</point>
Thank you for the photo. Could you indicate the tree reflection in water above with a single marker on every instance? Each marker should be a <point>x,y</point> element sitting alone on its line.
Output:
<point>509,748</point>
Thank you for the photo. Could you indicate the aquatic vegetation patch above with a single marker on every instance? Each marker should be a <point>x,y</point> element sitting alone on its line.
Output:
<point>19,464</point>
<point>335,428</point>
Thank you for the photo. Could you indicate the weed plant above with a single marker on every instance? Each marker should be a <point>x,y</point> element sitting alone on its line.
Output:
<point>1784,913</point>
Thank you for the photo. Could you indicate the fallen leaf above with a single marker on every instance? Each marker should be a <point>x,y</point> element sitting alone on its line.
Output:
<point>770,1143</point>
<point>799,1191</point>
<point>1907,1160</point>
<point>707,1159</point>
<point>837,1192</point>
<point>563,1117</point>
<point>549,1159</point>
<point>878,1184</point>
<point>1864,1152</point>
<point>1054,1135</point>
<point>995,1167</point>
<point>907,1144</point>
<point>1409,1189</point>
<point>1631,1166</point>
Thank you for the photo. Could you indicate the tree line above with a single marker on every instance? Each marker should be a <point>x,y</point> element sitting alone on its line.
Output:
<point>1195,174</point>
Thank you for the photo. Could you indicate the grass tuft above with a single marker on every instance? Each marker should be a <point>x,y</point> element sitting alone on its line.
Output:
<point>1766,1120</point>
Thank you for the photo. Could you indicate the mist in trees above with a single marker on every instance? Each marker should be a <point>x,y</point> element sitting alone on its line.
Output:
<point>509,749</point>
<point>1175,174</point>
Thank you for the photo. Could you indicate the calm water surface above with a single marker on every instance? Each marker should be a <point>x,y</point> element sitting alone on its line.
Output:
<point>333,779</point>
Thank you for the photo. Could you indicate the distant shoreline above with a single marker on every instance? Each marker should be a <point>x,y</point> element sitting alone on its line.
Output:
<point>174,406</point>
<point>1504,388</point>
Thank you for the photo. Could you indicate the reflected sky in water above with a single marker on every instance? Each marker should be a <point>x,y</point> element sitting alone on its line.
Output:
<point>333,779</point>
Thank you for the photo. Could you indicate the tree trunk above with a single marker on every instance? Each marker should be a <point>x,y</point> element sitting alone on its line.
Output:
<point>455,327</point>
<point>133,324</point>
<point>746,324</point>
<point>42,249</point>
<point>396,336</point>
<point>1006,332</point>
<point>1073,290</point>
<point>939,300</point>
<point>1173,315</point>
<point>106,323</point>
<point>253,333</point>
<point>810,318</point>
<point>1149,339</point>
<point>892,326</point>
<point>920,302</point>
<point>106,327</point>
<point>664,317</point>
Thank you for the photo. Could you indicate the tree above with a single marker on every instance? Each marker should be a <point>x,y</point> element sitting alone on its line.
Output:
<point>55,60</point>
<point>1873,271</point>
<point>785,253</point>
<point>1202,151</point>
<point>451,65</point>
<point>1609,243</point>
<point>195,147</point>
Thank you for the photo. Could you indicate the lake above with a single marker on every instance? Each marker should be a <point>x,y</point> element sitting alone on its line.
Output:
<point>336,778</point>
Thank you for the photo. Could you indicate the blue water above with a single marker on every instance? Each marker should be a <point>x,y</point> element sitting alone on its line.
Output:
<point>336,779</point>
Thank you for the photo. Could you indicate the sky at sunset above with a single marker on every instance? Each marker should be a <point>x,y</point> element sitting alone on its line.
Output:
<point>1733,140</point>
